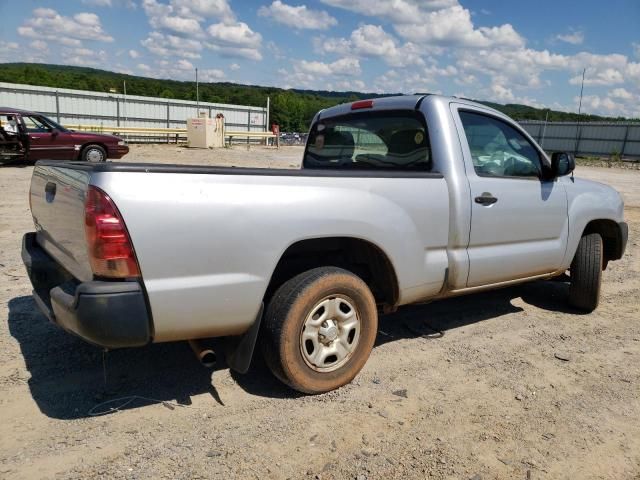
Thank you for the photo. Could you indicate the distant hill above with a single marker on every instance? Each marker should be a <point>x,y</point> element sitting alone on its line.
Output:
<point>293,109</point>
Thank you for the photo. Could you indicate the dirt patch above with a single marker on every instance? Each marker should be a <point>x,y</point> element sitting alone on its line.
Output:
<point>518,383</point>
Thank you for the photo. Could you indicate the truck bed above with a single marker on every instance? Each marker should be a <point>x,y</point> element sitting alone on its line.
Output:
<point>208,239</point>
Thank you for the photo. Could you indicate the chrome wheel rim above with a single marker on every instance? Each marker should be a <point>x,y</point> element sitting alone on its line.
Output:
<point>95,155</point>
<point>330,333</point>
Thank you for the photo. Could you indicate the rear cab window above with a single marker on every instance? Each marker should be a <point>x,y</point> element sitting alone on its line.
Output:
<point>382,140</point>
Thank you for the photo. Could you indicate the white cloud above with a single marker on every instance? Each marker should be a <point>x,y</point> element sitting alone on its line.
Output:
<point>180,31</point>
<point>38,45</point>
<point>436,22</point>
<point>184,65</point>
<point>134,54</point>
<point>82,56</point>
<point>403,11</point>
<point>111,3</point>
<point>574,37</point>
<point>234,66</point>
<point>10,52</point>
<point>435,71</point>
<point>183,17</point>
<point>636,49</point>
<point>609,69</point>
<point>235,40</point>
<point>372,41</point>
<point>394,82</point>
<point>299,17</point>
<point>610,105</point>
<point>48,24</point>
<point>180,70</point>
<point>607,76</point>
<point>453,26</point>
<point>520,68</point>
<point>621,94</point>
<point>344,66</point>
<point>204,8</point>
<point>211,74</point>
<point>98,3</point>
<point>502,94</point>
<point>319,75</point>
<point>172,46</point>
<point>164,17</point>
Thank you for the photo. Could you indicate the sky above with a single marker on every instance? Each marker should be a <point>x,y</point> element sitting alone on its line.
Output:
<point>507,51</point>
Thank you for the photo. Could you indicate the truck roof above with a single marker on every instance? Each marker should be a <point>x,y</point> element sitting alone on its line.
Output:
<point>398,102</point>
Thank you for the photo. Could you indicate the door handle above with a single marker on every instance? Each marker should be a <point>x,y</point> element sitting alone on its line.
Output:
<point>486,199</point>
<point>50,188</point>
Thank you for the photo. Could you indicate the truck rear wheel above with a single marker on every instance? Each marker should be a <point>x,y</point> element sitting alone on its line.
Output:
<point>319,329</point>
<point>586,273</point>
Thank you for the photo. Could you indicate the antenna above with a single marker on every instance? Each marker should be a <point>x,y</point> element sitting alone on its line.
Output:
<point>581,92</point>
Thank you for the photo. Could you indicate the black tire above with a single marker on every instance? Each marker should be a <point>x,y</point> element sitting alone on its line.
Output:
<point>94,153</point>
<point>287,317</point>
<point>586,273</point>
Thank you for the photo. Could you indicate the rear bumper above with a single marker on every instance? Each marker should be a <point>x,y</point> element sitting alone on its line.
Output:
<point>107,314</point>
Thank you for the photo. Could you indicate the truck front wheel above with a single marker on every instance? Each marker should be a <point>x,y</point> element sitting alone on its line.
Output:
<point>319,329</point>
<point>586,273</point>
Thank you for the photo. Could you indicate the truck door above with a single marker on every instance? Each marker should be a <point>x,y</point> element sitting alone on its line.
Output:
<point>46,142</point>
<point>519,223</point>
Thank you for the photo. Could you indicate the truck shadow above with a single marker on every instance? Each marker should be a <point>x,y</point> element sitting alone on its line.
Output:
<point>67,376</point>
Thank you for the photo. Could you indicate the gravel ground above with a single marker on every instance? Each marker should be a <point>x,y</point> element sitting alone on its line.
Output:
<point>519,386</point>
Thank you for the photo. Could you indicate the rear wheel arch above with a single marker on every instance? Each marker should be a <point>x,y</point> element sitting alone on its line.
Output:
<point>359,256</point>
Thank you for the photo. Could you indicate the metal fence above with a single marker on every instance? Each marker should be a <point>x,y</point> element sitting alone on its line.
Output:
<point>78,107</point>
<point>593,138</point>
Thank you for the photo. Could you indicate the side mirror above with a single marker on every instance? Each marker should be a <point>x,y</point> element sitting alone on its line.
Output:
<point>55,132</point>
<point>562,163</point>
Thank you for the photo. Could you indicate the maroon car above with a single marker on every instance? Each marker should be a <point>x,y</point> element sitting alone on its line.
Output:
<point>31,136</point>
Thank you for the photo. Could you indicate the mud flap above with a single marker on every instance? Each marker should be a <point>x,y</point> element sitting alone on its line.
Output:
<point>238,350</point>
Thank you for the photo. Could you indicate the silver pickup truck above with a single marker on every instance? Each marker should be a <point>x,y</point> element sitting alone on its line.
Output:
<point>400,200</point>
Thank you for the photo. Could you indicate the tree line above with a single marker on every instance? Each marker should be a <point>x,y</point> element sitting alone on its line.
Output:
<point>292,109</point>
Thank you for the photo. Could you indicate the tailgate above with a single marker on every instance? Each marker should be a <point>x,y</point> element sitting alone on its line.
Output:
<point>57,205</point>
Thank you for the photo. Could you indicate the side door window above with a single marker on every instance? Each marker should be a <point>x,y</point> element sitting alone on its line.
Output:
<point>35,125</point>
<point>498,149</point>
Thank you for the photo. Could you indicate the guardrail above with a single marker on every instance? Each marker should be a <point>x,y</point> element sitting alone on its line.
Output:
<point>178,133</point>
<point>265,135</point>
<point>167,134</point>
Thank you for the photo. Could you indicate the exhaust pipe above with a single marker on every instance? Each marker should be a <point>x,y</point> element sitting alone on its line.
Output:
<point>205,355</point>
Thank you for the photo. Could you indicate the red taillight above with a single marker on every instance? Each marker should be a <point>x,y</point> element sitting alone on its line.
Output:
<point>361,104</point>
<point>110,250</point>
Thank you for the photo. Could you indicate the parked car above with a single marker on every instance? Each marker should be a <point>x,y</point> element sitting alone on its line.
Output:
<point>31,136</point>
<point>400,200</point>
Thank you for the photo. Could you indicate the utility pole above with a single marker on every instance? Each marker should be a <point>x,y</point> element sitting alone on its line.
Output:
<point>267,126</point>
<point>197,96</point>
<point>579,112</point>
<point>124,100</point>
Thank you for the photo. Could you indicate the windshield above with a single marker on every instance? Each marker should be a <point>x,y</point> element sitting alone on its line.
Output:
<point>369,140</point>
